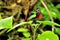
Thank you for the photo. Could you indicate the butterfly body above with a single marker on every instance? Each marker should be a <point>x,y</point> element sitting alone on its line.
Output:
<point>39,14</point>
<point>40,17</point>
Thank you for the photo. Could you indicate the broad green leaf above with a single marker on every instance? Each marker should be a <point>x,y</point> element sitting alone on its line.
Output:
<point>26,34</point>
<point>26,38</point>
<point>57,30</point>
<point>48,35</point>
<point>58,6</point>
<point>6,23</point>
<point>43,11</point>
<point>22,30</point>
<point>49,23</point>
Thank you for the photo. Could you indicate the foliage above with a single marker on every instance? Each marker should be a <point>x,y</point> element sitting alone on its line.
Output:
<point>48,35</point>
<point>6,23</point>
<point>58,6</point>
<point>57,30</point>
<point>48,23</point>
<point>26,39</point>
<point>31,27</point>
<point>10,38</point>
<point>24,31</point>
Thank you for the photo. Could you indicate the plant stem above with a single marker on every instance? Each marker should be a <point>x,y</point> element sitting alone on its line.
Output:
<point>49,13</point>
<point>36,26</point>
<point>34,34</point>
<point>19,25</point>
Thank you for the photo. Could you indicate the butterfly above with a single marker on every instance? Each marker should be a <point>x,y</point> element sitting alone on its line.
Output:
<point>39,15</point>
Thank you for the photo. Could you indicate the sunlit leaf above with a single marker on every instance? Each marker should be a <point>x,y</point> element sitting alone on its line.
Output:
<point>26,39</point>
<point>58,6</point>
<point>10,38</point>
<point>43,11</point>
<point>53,14</point>
<point>33,12</point>
<point>26,34</point>
<point>48,35</point>
<point>6,23</point>
<point>22,30</point>
<point>49,23</point>
<point>31,17</point>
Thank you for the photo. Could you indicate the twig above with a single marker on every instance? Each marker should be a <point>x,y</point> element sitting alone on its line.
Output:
<point>49,13</point>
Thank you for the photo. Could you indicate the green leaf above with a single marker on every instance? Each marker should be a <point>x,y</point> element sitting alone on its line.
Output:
<point>6,23</point>
<point>58,6</point>
<point>53,14</point>
<point>31,17</point>
<point>46,18</point>
<point>10,38</point>
<point>48,35</point>
<point>58,15</point>
<point>22,30</point>
<point>33,12</point>
<point>26,39</point>
<point>38,37</point>
<point>51,7</point>
<point>57,30</point>
<point>26,34</point>
<point>43,11</point>
<point>52,10</point>
<point>48,23</point>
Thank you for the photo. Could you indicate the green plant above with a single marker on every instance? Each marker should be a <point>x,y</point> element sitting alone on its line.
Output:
<point>50,13</point>
<point>48,35</point>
